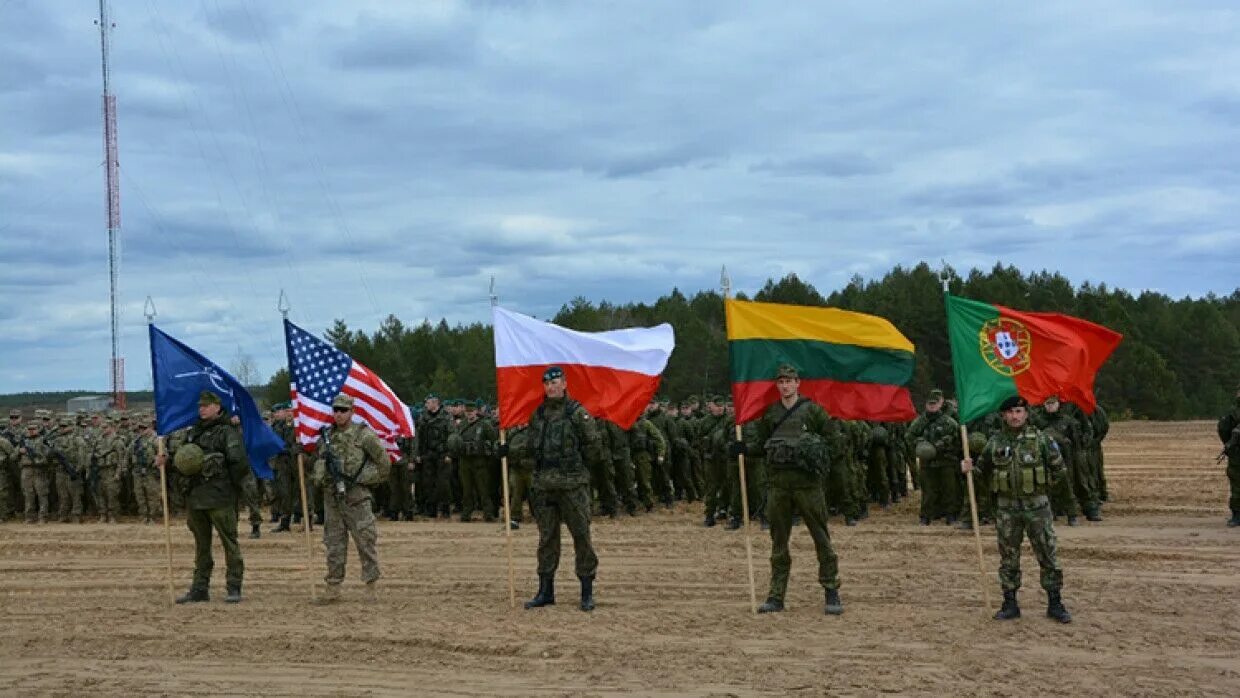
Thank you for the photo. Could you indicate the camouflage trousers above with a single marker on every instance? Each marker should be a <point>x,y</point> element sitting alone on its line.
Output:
<point>839,488</point>
<point>715,494</point>
<point>476,486</point>
<point>286,490</point>
<point>36,488</point>
<point>643,479</point>
<point>108,495</point>
<point>940,491</point>
<point>350,516</point>
<point>982,492</point>
<point>755,487</point>
<point>201,522</point>
<point>682,476</point>
<point>150,500</point>
<point>877,471</point>
<point>626,489</point>
<point>1063,493</point>
<point>1097,465</point>
<point>603,480</point>
<point>520,479</point>
<point>572,508</point>
<point>1016,518</point>
<point>10,490</point>
<point>1084,484</point>
<point>661,479</point>
<point>69,493</point>
<point>798,492</point>
<point>251,499</point>
<point>400,496</point>
<point>6,509</point>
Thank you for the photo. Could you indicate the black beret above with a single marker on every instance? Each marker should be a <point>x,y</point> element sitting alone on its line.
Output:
<point>1014,401</point>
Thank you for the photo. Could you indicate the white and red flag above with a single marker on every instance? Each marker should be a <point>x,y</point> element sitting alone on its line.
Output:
<point>318,372</point>
<point>612,374</point>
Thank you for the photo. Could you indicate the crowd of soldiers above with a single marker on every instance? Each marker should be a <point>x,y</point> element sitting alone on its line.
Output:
<point>69,466</point>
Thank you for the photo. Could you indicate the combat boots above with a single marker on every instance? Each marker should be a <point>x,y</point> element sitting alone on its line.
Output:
<point>234,593</point>
<point>371,594</point>
<point>709,521</point>
<point>1009,610</point>
<point>1055,609</point>
<point>546,592</point>
<point>733,523</point>
<point>284,525</point>
<point>1234,520</point>
<point>771,606</point>
<point>194,596</point>
<point>255,532</point>
<point>834,606</point>
<point>587,593</point>
<point>1092,514</point>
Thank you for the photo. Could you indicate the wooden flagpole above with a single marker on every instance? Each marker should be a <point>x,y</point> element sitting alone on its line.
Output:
<point>740,463</point>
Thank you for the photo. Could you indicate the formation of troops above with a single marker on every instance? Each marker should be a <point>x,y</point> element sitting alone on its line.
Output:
<point>1031,465</point>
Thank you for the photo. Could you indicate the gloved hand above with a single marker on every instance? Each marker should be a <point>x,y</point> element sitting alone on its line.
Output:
<point>738,448</point>
<point>501,450</point>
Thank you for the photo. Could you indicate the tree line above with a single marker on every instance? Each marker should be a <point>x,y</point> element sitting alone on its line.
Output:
<point>1179,359</point>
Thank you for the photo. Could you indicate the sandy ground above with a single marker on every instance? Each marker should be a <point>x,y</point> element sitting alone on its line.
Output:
<point>1154,589</point>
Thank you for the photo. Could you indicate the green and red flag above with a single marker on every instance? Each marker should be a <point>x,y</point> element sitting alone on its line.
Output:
<point>998,352</point>
<point>856,366</point>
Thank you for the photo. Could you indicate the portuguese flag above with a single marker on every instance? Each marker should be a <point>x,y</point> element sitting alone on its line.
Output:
<point>998,352</point>
<point>856,366</point>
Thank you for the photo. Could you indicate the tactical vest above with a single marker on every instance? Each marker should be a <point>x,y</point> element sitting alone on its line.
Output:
<point>472,441</point>
<point>557,446</point>
<point>1019,466</point>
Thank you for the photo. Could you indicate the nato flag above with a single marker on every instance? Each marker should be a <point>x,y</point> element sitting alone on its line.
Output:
<point>181,374</point>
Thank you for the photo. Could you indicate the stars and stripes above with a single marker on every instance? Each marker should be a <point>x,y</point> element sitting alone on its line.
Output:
<point>318,372</point>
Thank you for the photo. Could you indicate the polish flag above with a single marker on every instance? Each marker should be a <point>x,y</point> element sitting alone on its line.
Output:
<point>612,374</point>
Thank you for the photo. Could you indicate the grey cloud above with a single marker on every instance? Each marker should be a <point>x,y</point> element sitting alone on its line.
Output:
<point>376,44</point>
<point>825,165</point>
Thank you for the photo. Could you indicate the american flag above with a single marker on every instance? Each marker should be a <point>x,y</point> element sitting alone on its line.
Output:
<point>318,372</point>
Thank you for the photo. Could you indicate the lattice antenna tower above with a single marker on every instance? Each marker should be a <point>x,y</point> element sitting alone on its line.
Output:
<point>113,195</point>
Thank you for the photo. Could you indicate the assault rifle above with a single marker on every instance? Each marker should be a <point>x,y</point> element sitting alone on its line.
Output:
<point>92,475</point>
<point>57,456</point>
<point>340,482</point>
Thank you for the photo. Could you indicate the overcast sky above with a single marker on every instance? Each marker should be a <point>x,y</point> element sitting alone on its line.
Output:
<point>383,157</point>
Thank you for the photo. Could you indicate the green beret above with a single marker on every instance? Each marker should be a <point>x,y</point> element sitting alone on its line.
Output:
<point>786,371</point>
<point>552,373</point>
<point>207,397</point>
<point>473,404</point>
<point>432,396</point>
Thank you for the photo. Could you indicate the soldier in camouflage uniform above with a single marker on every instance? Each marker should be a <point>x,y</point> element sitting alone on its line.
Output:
<point>284,464</point>
<point>70,460</point>
<point>617,440</point>
<point>878,469</point>
<point>520,474</point>
<point>562,441</point>
<point>361,462</point>
<point>1023,464</point>
<point>250,496</point>
<point>475,445</point>
<point>837,483</point>
<point>400,481</point>
<point>755,479</point>
<point>661,478</point>
<point>1229,434</point>
<point>1059,425</point>
<point>980,431</point>
<point>10,473</point>
<point>210,490</point>
<point>940,491</point>
<point>794,432</point>
<point>146,482</point>
<point>35,474</point>
<point>8,457</point>
<point>714,432</point>
<point>111,460</point>
<point>435,464</point>
<point>1097,466</point>
<point>603,475</point>
<point>648,451</point>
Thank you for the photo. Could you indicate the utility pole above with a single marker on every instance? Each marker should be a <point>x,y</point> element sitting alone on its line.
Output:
<point>113,195</point>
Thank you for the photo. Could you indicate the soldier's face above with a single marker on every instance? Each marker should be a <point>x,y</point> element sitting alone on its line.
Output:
<point>1016,417</point>
<point>471,415</point>
<point>934,405</point>
<point>1051,406</point>
<point>342,415</point>
<point>715,408</point>
<point>555,387</point>
<point>432,404</point>
<point>208,410</point>
<point>788,386</point>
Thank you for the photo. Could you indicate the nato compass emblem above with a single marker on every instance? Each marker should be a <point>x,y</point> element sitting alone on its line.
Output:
<point>1005,345</point>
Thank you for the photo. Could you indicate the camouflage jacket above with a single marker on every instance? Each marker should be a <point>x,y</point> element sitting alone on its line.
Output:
<point>780,435</point>
<point>645,439</point>
<point>225,464</point>
<point>476,438</point>
<point>359,453</point>
<point>73,448</point>
<point>940,430</point>
<point>434,429</point>
<point>142,457</point>
<point>1023,463</point>
<point>111,451</point>
<point>563,441</point>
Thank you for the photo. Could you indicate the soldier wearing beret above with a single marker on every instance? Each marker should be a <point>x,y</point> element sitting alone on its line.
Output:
<point>563,441</point>
<point>213,465</point>
<point>350,461</point>
<point>1024,464</point>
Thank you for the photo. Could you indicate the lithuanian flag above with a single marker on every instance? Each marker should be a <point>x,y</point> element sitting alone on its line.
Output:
<point>998,352</point>
<point>856,366</point>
